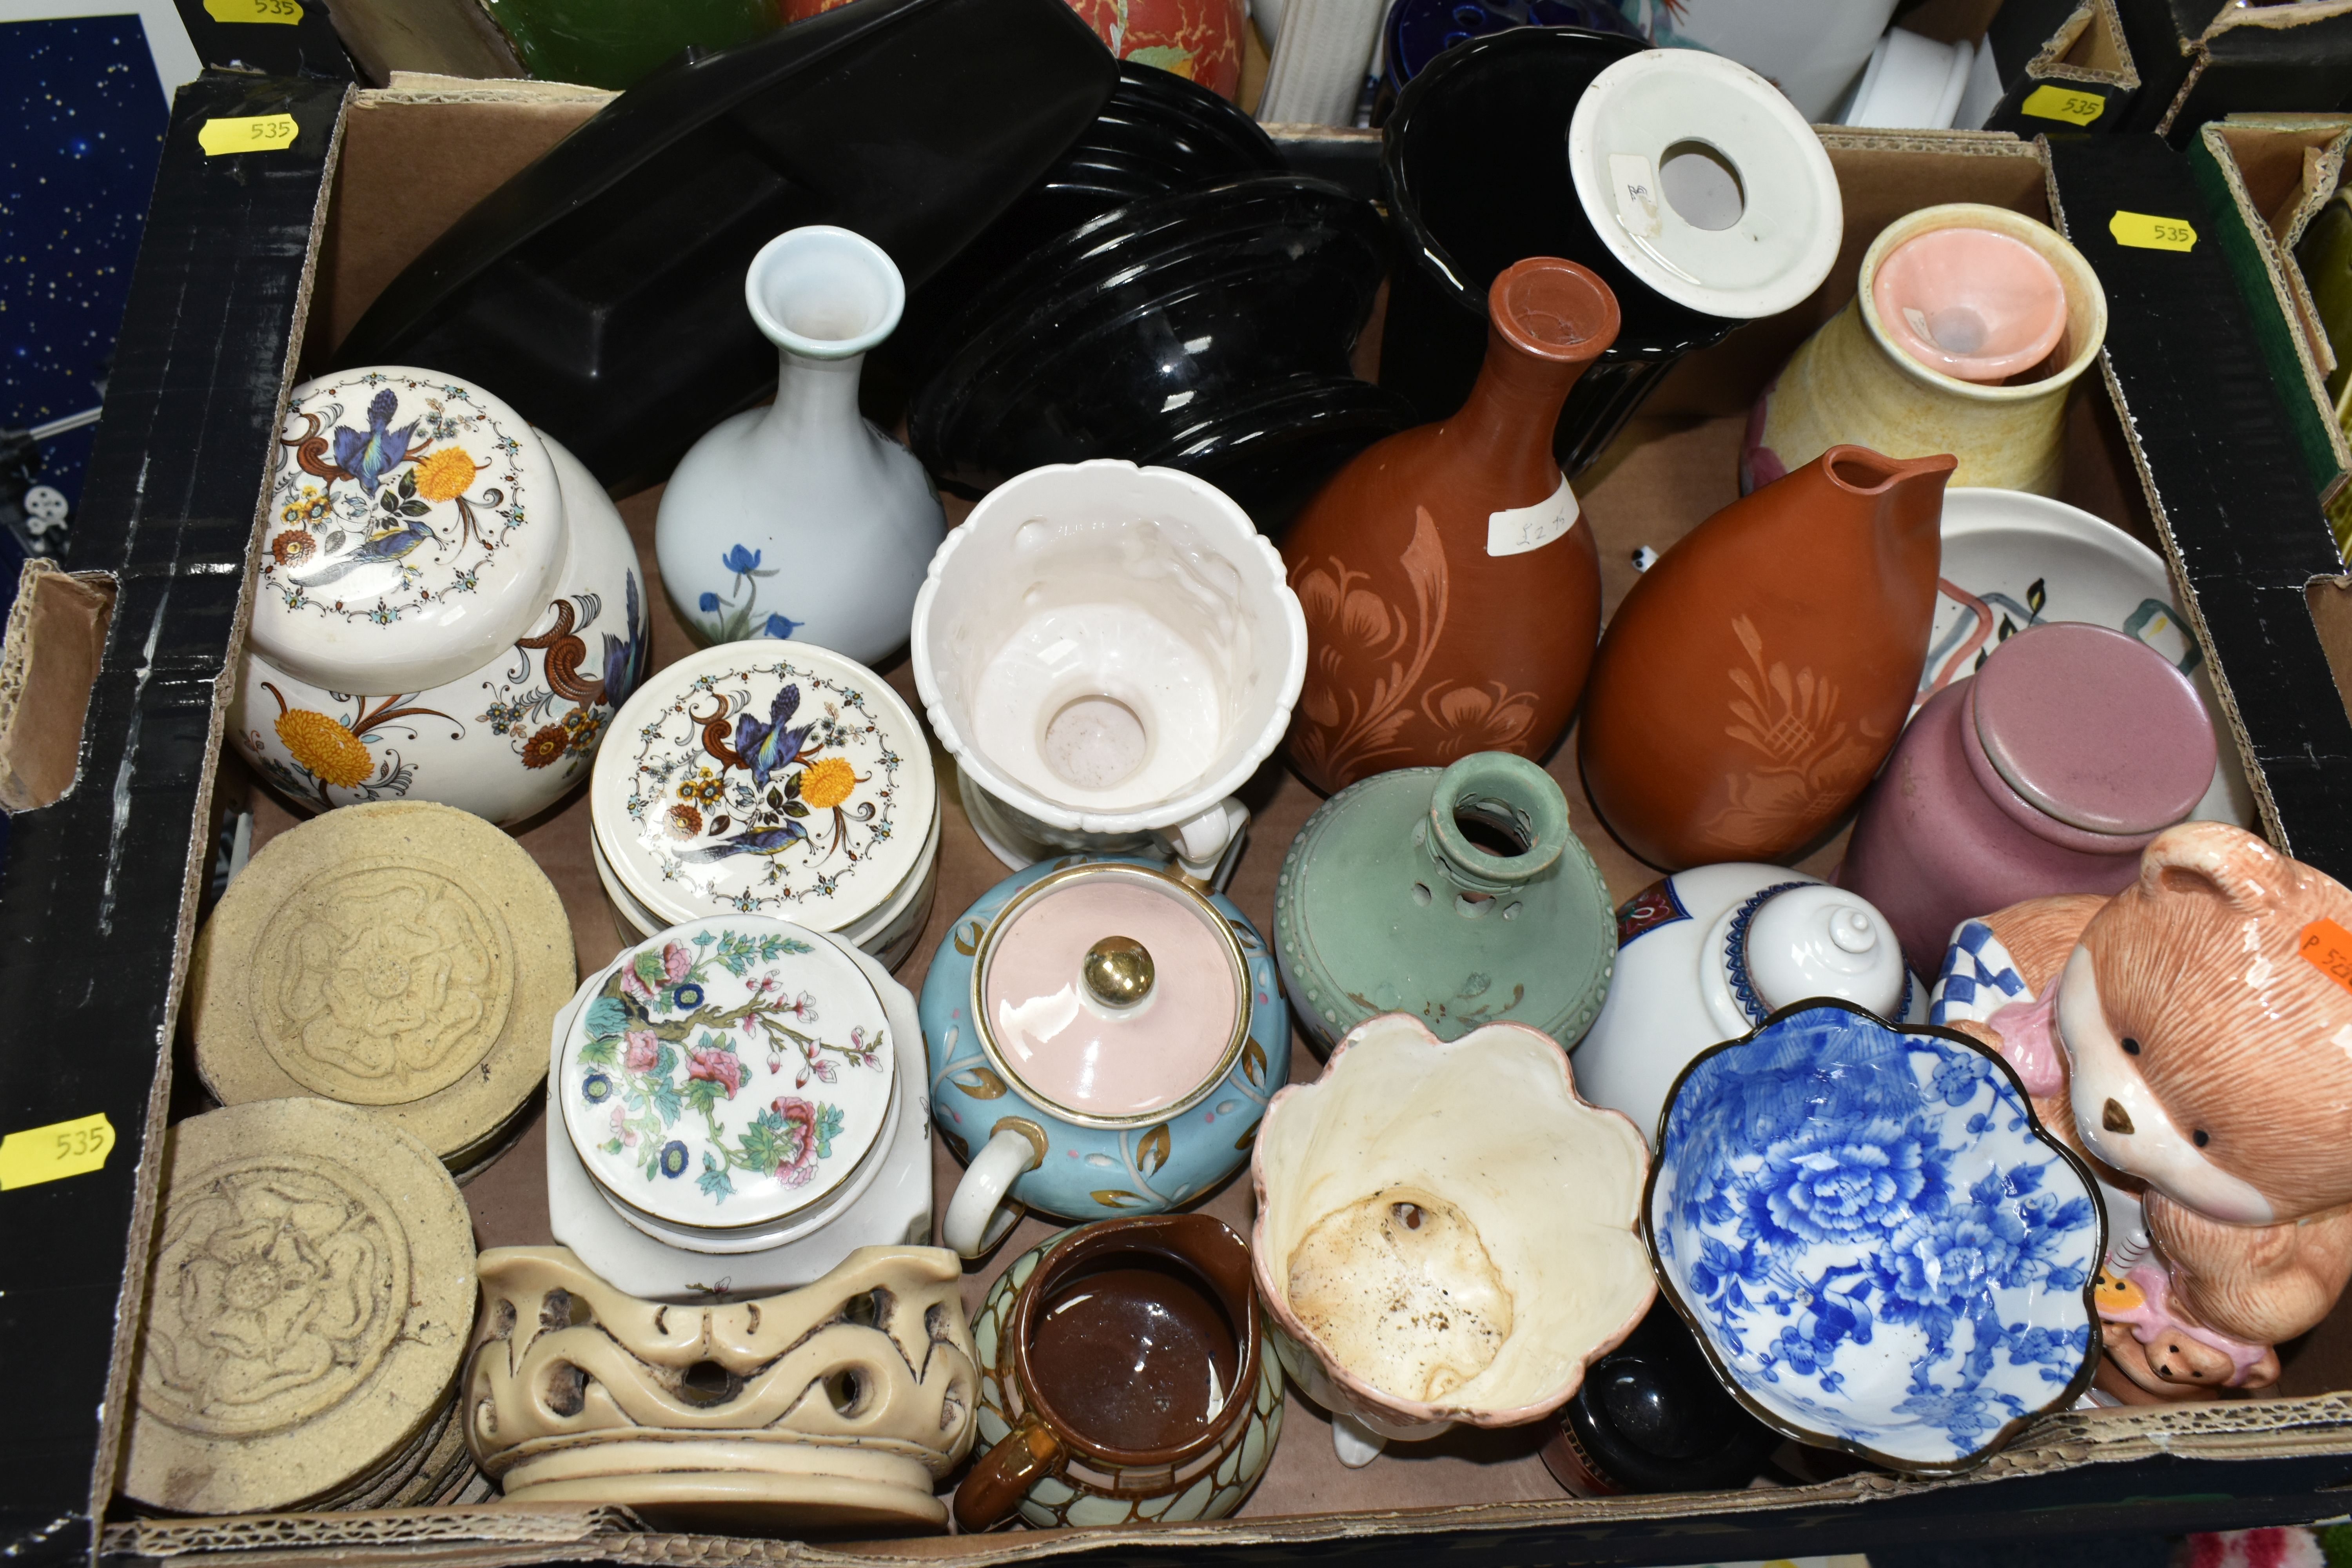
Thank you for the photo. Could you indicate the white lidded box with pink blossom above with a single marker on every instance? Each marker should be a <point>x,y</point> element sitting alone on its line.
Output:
<point>729,1075</point>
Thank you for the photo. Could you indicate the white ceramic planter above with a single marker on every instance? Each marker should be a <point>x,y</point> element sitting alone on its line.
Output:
<point>467,644</point>
<point>1445,1231</point>
<point>802,518</point>
<point>1108,652</point>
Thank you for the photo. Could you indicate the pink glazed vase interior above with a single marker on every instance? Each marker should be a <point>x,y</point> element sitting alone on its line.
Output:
<point>1973,304</point>
<point>1110,998</point>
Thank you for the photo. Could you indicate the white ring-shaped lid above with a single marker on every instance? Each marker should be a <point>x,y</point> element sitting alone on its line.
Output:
<point>1705,181</point>
<point>764,777</point>
<point>824,292</point>
<point>415,529</point>
<point>727,1073</point>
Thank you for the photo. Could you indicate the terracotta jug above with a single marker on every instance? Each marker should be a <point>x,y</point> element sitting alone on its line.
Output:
<point>1451,600</point>
<point>1758,674</point>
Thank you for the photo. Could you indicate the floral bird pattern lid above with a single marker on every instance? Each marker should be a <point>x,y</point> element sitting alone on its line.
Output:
<point>727,1073</point>
<point>415,529</point>
<point>771,778</point>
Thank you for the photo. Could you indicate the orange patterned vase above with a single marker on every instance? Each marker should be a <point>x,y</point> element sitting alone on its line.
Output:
<point>1200,40</point>
<point>1451,594</point>
<point>1756,676</point>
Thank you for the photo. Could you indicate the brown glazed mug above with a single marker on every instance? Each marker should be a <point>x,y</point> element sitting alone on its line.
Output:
<point>1123,1377</point>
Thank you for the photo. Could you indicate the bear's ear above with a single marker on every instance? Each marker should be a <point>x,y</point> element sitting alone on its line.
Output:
<point>2217,860</point>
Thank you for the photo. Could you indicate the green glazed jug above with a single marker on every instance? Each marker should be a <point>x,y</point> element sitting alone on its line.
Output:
<point>1455,894</point>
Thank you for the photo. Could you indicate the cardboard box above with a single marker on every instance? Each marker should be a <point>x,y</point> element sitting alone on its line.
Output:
<point>2201,59</point>
<point>2064,64</point>
<point>2266,177</point>
<point>255,265</point>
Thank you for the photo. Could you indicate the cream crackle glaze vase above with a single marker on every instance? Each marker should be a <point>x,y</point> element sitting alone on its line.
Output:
<point>447,607</point>
<point>803,520</point>
<point>1970,325</point>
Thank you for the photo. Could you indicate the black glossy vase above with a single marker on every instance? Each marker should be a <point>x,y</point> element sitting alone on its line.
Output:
<point>1474,166</point>
<point>1159,134</point>
<point>1651,1416</point>
<point>1209,331</point>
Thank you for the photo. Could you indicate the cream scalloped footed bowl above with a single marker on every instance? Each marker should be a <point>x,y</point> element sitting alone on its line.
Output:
<point>1108,652</point>
<point>1445,1231</point>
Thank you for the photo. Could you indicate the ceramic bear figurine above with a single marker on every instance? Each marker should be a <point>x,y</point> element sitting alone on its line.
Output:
<point>2189,1036</point>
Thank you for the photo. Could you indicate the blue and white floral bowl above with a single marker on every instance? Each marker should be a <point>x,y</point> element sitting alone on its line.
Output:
<point>1879,1246</point>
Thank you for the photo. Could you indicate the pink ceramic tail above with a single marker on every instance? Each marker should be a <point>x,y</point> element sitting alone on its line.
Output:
<point>2030,1044</point>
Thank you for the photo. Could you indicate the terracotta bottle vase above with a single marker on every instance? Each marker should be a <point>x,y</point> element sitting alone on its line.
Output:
<point>1758,674</point>
<point>1451,600</point>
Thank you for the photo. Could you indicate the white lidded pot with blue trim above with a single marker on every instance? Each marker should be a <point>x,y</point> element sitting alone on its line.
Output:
<point>1708,954</point>
<point>1104,1038</point>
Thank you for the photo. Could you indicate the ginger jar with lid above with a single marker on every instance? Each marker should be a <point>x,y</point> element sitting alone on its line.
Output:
<point>1104,1037</point>
<point>448,607</point>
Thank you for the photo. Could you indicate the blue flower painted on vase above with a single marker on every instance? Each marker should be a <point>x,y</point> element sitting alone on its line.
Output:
<point>737,617</point>
<point>1879,1246</point>
<point>672,1159</point>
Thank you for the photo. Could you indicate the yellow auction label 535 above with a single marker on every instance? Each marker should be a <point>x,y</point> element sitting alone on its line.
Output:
<point>2144,231</point>
<point>284,12</point>
<point>2072,105</point>
<point>253,134</point>
<point>51,1153</point>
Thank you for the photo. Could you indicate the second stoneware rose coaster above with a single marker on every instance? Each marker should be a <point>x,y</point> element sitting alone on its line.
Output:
<point>311,1298</point>
<point>403,958</point>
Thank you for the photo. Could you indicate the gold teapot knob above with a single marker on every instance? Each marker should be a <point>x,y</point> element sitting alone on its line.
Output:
<point>1118,972</point>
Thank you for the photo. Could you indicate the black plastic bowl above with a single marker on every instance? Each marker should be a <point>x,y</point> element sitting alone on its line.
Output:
<point>1158,317</point>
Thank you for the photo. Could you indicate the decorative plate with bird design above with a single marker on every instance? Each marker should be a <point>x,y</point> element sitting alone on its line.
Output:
<point>414,527</point>
<point>765,777</point>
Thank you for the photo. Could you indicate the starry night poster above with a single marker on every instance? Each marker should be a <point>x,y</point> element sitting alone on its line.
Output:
<point>85,117</point>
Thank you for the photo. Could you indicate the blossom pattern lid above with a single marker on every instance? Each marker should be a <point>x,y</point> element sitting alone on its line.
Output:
<point>727,1073</point>
<point>766,777</point>
<point>415,529</point>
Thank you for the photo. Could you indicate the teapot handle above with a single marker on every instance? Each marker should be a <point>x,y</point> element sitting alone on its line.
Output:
<point>1200,843</point>
<point>1004,1475</point>
<point>977,1216</point>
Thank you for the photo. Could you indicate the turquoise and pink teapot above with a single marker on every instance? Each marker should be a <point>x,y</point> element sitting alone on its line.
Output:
<point>1104,1038</point>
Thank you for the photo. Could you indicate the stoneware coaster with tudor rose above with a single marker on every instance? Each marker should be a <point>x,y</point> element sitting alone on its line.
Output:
<point>309,1303</point>
<point>402,957</point>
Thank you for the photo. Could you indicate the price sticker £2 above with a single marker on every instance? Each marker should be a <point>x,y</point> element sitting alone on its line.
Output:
<point>51,1153</point>
<point>251,133</point>
<point>2144,231</point>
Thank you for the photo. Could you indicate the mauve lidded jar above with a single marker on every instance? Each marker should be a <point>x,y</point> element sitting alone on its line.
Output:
<point>2046,771</point>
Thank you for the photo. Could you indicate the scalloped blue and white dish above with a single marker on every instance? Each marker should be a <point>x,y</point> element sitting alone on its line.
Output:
<point>1879,1246</point>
